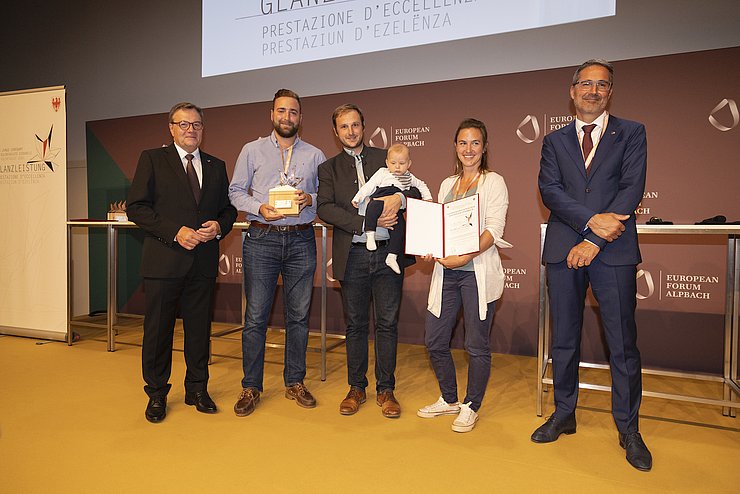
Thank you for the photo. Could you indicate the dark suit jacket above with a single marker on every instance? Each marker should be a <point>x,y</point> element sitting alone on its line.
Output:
<point>337,187</point>
<point>615,183</point>
<point>160,202</point>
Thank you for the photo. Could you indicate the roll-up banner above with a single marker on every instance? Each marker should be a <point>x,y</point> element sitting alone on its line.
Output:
<point>33,213</point>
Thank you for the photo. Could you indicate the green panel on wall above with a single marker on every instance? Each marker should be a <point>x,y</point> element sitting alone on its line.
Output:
<point>106,183</point>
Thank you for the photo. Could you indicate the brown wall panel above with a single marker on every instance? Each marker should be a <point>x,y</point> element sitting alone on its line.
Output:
<point>688,103</point>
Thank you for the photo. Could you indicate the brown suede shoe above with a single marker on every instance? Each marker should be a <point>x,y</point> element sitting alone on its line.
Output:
<point>352,402</point>
<point>247,402</point>
<point>300,393</point>
<point>388,404</point>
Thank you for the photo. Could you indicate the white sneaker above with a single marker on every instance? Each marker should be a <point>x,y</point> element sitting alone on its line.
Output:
<point>440,407</point>
<point>466,420</point>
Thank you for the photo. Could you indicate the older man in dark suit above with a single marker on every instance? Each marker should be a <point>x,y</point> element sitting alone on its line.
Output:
<point>592,177</point>
<point>179,198</point>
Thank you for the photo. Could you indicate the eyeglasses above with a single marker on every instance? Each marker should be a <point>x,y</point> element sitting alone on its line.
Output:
<point>185,125</point>
<point>588,84</point>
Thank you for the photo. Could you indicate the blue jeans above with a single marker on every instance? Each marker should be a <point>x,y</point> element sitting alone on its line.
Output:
<point>367,279</point>
<point>268,253</point>
<point>459,288</point>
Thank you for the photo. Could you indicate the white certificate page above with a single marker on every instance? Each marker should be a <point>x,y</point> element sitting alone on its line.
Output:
<point>424,228</point>
<point>461,226</point>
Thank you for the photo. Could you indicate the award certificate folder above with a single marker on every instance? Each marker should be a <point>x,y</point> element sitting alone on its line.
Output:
<point>443,230</point>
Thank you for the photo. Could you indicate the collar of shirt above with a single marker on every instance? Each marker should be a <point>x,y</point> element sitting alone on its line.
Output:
<point>354,153</point>
<point>183,153</point>
<point>595,136</point>
<point>274,141</point>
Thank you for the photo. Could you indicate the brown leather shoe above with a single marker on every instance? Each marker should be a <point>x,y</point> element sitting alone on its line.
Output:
<point>388,404</point>
<point>300,393</point>
<point>247,402</point>
<point>352,402</point>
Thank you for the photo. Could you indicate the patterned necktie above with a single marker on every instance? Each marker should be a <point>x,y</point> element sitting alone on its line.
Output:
<point>193,178</point>
<point>587,143</point>
<point>360,170</point>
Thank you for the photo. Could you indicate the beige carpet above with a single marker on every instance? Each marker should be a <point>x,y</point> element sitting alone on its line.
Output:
<point>72,420</point>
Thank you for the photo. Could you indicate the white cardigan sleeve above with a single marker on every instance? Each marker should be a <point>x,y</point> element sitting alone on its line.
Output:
<point>497,203</point>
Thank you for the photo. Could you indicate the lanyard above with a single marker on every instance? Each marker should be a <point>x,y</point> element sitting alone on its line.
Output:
<point>456,187</point>
<point>286,161</point>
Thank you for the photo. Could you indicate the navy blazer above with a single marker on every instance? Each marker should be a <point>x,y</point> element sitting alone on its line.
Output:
<point>161,201</point>
<point>615,183</point>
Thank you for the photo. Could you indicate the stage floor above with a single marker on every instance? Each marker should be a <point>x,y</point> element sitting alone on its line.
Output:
<point>72,420</point>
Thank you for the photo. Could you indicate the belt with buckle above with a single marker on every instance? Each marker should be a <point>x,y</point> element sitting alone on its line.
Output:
<point>281,228</point>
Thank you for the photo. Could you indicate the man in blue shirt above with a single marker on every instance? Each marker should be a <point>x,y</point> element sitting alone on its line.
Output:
<point>277,244</point>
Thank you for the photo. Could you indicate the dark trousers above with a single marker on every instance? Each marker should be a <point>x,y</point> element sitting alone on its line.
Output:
<point>194,295</point>
<point>367,282</point>
<point>615,289</point>
<point>459,288</point>
<point>375,209</point>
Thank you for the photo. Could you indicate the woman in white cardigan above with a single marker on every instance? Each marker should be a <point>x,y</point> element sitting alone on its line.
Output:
<point>473,281</point>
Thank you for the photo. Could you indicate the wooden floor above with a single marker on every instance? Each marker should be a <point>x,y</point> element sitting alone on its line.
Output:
<point>72,420</point>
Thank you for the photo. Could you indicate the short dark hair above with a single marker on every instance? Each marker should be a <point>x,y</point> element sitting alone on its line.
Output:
<point>595,61</point>
<point>184,106</point>
<point>472,123</point>
<point>286,93</point>
<point>346,108</point>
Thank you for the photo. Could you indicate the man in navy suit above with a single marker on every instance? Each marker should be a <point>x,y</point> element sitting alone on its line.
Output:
<point>592,177</point>
<point>179,198</point>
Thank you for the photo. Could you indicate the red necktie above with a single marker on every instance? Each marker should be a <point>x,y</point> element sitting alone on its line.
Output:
<point>587,143</point>
<point>193,178</point>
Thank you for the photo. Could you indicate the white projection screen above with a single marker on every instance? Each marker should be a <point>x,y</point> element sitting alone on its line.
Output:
<point>243,35</point>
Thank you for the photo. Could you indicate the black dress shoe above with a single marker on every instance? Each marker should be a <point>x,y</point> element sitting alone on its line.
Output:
<point>156,409</point>
<point>203,403</point>
<point>551,430</point>
<point>637,453</point>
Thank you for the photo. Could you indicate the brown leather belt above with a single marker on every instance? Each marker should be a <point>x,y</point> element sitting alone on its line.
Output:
<point>281,228</point>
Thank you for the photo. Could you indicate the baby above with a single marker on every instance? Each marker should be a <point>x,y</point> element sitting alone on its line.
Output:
<point>385,182</point>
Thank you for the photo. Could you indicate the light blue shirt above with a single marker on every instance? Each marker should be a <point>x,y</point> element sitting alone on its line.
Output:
<point>258,170</point>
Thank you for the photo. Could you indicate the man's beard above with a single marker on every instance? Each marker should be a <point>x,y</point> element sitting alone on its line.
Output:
<point>285,133</point>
